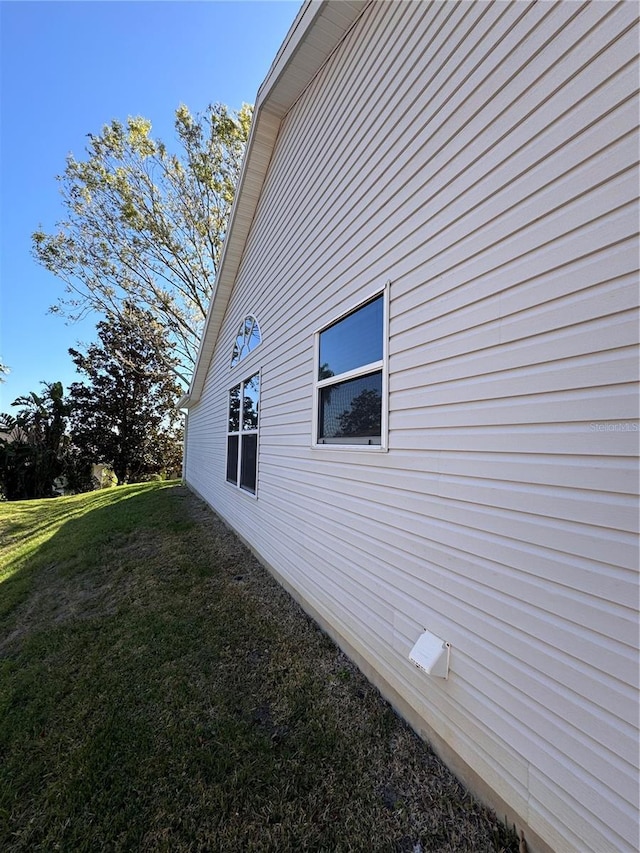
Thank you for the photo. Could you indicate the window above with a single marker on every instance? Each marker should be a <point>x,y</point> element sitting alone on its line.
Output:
<point>242,434</point>
<point>247,339</point>
<point>350,382</point>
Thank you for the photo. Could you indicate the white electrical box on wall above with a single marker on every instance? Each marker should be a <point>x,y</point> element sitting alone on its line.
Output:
<point>431,654</point>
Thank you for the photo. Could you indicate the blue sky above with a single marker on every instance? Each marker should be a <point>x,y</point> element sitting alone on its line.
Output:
<point>66,69</point>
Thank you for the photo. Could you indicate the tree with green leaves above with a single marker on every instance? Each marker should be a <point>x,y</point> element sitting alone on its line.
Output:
<point>363,416</point>
<point>124,415</point>
<point>144,227</point>
<point>33,444</point>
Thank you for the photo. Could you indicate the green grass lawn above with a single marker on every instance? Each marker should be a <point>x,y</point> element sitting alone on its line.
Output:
<point>159,691</point>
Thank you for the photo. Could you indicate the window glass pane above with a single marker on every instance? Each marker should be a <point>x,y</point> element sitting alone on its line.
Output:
<point>353,341</point>
<point>254,336</point>
<point>232,459</point>
<point>352,410</point>
<point>247,339</point>
<point>251,402</point>
<point>234,409</point>
<point>251,333</point>
<point>248,462</point>
<point>237,348</point>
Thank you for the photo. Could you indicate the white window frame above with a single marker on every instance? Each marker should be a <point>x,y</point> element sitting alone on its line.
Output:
<point>381,365</point>
<point>242,432</point>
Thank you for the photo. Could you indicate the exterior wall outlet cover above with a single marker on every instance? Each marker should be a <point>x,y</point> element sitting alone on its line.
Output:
<point>431,654</point>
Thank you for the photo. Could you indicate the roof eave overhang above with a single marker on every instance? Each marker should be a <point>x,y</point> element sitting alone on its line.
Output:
<point>317,30</point>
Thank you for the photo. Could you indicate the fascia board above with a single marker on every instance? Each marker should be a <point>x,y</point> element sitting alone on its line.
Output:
<point>264,130</point>
<point>318,28</point>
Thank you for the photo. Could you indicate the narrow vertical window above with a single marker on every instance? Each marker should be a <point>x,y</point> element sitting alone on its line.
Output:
<point>242,434</point>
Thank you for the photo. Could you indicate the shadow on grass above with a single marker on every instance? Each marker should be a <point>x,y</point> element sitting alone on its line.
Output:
<point>63,532</point>
<point>159,691</point>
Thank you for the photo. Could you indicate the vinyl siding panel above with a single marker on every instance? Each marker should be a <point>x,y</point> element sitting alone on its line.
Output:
<point>483,159</point>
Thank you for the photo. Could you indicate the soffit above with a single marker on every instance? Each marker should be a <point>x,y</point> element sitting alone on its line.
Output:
<point>317,30</point>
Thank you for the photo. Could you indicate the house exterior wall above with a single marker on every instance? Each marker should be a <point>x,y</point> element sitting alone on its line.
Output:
<point>482,159</point>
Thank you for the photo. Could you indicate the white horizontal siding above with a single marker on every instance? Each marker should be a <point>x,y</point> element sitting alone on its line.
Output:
<point>483,158</point>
